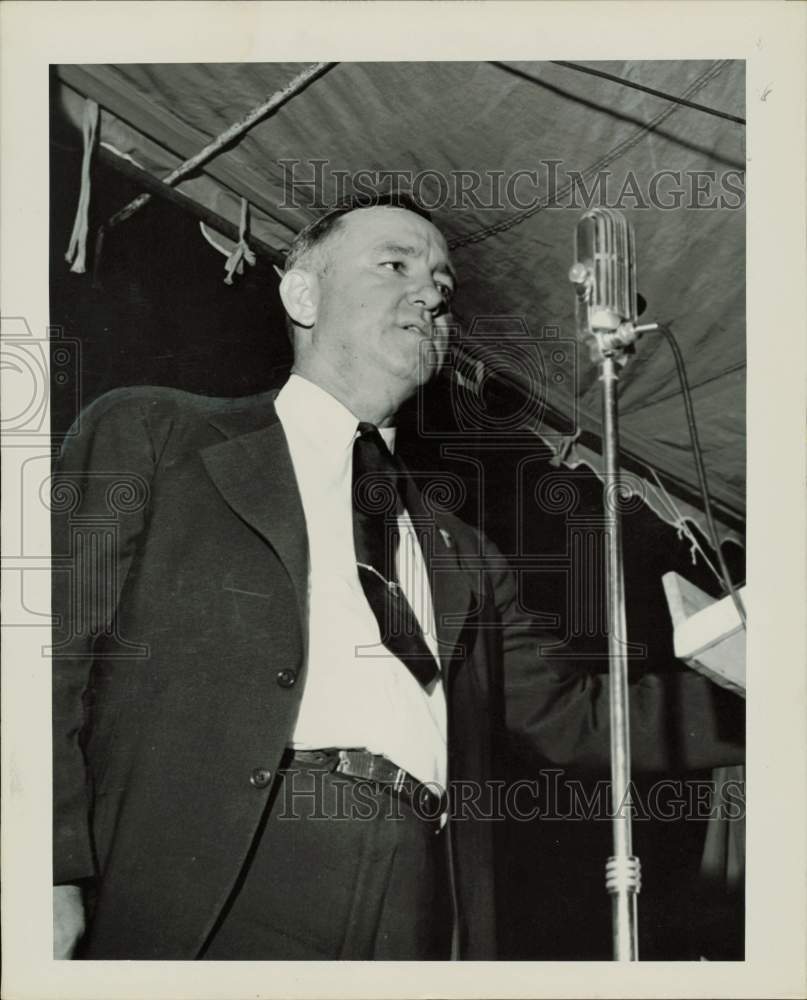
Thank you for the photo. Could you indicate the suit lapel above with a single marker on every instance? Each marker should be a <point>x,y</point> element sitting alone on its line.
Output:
<point>253,471</point>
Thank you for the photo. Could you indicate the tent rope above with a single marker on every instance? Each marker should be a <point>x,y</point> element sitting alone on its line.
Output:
<point>229,135</point>
<point>650,90</point>
<point>76,254</point>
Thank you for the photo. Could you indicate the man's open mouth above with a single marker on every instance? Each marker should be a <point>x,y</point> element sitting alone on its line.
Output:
<point>421,331</point>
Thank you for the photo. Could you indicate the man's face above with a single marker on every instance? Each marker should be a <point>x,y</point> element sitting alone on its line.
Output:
<point>382,310</point>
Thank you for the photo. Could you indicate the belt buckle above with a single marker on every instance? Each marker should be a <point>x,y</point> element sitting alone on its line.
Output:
<point>355,763</point>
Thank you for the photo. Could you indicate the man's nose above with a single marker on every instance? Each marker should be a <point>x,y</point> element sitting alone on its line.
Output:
<point>428,295</point>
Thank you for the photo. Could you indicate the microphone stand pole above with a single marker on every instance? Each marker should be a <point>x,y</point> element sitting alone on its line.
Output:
<point>604,276</point>
<point>622,870</point>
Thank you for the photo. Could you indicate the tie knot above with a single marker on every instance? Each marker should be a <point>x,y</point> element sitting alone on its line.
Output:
<point>376,476</point>
<point>369,434</point>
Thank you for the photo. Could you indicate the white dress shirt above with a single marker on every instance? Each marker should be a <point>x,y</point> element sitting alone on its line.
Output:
<point>357,693</point>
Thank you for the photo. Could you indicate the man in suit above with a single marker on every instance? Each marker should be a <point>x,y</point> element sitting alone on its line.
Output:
<point>256,718</point>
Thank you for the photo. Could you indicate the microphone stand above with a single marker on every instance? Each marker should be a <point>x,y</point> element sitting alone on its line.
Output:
<point>604,277</point>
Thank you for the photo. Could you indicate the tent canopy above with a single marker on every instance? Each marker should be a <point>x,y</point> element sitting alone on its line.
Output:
<point>508,157</point>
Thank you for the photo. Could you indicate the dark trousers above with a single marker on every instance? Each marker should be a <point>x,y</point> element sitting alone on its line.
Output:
<point>342,869</point>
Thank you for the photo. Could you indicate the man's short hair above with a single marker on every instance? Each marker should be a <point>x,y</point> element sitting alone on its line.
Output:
<point>314,236</point>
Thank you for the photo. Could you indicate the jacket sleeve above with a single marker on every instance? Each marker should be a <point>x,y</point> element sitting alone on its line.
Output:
<point>99,501</point>
<point>558,709</point>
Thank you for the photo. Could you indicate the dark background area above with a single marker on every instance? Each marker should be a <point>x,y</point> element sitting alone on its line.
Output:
<point>155,310</point>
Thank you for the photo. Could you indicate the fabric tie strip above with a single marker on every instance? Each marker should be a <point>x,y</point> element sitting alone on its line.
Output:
<point>77,250</point>
<point>241,251</point>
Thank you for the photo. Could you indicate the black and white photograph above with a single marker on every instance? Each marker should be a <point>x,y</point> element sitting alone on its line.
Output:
<point>390,422</point>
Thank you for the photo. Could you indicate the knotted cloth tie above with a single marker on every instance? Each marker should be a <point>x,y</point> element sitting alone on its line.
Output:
<point>77,250</point>
<point>241,251</point>
<point>377,503</point>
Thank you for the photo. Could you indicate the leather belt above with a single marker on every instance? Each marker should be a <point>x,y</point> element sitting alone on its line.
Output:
<point>424,799</point>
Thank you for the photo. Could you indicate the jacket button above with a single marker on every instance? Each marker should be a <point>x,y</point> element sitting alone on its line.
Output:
<point>260,777</point>
<point>286,678</point>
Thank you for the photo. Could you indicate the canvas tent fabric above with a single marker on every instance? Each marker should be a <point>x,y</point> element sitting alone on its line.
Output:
<point>441,121</point>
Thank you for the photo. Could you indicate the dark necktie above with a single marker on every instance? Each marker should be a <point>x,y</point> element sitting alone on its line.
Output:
<point>377,483</point>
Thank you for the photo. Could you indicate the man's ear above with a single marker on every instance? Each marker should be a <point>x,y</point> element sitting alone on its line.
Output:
<point>299,293</point>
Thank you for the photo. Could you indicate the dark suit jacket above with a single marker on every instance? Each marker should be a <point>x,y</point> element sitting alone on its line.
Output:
<point>180,578</point>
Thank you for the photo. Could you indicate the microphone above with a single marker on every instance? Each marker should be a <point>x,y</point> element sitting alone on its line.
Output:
<point>604,277</point>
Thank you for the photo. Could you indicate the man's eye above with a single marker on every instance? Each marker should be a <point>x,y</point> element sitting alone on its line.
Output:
<point>393,265</point>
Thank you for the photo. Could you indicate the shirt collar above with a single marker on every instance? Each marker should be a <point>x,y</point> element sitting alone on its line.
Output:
<point>318,415</point>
